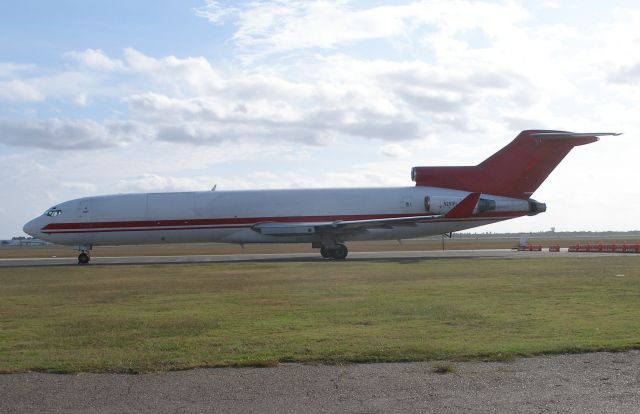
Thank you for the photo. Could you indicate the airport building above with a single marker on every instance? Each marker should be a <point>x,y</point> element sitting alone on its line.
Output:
<point>23,241</point>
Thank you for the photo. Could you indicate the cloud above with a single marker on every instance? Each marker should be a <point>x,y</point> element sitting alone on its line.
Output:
<point>271,27</point>
<point>268,27</point>
<point>68,134</point>
<point>96,59</point>
<point>40,85</point>
<point>371,99</point>
<point>215,11</point>
<point>20,91</point>
<point>424,99</point>
<point>188,101</point>
<point>519,124</point>
<point>326,98</point>
<point>95,74</point>
<point>210,120</point>
<point>626,75</point>
<point>158,183</point>
<point>281,26</point>
<point>188,75</point>
<point>394,151</point>
<point>80,187</point>
<point>8,69</point>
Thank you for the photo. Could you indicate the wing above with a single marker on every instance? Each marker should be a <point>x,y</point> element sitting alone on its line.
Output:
<point>462,209</point>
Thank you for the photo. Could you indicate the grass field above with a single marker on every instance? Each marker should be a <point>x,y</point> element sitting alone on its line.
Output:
<point>150,318</point>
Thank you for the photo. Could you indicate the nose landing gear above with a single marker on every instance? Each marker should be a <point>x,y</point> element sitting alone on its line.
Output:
<point>85,254</point>
<point>83,258</point>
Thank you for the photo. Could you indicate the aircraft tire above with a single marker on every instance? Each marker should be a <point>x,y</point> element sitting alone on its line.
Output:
<point>83,258</point>
<point>324,252</point>
<point>340,252</point>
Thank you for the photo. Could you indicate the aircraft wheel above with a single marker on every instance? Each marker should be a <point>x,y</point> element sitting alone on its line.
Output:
<point>83,258</point>
<point>340,252</point>
<point>324,252</point>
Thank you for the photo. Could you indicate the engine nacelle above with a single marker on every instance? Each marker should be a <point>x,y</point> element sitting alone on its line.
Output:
<point>442,204</point>
<point>536,207</point>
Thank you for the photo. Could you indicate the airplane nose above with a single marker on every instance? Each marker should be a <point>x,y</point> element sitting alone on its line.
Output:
<point>32,228</point>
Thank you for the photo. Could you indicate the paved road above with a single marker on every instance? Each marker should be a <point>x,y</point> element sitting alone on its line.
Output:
<point>583,383</point>
<point>294,257</point>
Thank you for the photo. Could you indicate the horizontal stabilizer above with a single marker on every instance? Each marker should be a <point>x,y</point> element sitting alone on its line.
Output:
<point>569,135</point>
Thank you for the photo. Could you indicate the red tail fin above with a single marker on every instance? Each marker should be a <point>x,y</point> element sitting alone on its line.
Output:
<point>517,170</point>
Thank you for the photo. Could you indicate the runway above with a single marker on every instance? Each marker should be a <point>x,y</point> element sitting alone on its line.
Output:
<point>297,257</point>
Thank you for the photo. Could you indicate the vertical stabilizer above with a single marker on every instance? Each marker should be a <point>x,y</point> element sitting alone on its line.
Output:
<point>516,170</point>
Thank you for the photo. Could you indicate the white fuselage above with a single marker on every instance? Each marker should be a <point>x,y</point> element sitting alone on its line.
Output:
<point>228,216</point>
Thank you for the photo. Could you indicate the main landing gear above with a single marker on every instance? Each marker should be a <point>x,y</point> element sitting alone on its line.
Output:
<point>85,254</point>
<point>337,252</point>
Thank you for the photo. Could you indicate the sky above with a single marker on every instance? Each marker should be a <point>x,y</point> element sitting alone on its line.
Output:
<point>143,96</point>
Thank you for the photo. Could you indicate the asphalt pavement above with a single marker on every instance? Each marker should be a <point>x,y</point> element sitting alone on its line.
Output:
<point>579,383</point>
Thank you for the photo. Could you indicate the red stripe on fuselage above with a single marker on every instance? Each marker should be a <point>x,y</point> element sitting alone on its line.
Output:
<point>236,222</point>
<point>221,221</point>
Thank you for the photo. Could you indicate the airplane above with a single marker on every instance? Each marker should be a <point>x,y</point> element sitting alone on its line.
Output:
<point>444,200</point>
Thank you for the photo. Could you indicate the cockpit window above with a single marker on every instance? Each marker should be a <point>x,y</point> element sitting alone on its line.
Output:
<point>52,212</point>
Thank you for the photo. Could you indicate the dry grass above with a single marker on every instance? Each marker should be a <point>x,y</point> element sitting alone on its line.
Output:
<point>444,367</point>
